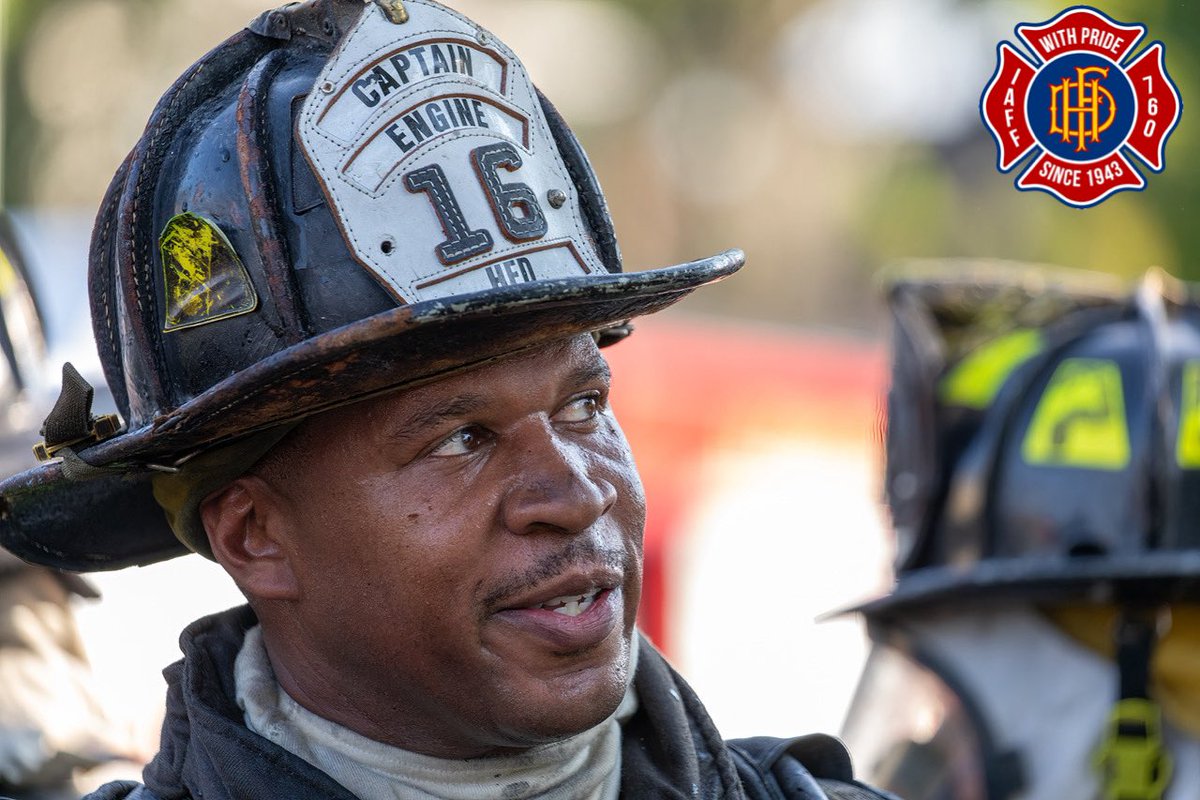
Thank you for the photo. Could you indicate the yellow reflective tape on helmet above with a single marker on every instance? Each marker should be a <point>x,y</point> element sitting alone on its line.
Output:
<point>1080,419</point>
<point>975,381</point>
<point>1132,760</point>
<point>1187,448</point>
<point>203,277</point>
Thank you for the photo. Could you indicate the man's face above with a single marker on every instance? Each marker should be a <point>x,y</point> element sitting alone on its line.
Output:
<point>468,554</point>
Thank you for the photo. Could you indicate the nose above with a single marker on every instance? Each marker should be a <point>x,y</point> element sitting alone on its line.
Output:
<point>555,484</point>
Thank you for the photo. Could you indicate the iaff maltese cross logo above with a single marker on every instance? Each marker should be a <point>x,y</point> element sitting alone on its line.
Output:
<point>1083,105</point>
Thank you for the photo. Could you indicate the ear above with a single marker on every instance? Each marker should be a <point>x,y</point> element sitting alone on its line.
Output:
<point>245,523</point>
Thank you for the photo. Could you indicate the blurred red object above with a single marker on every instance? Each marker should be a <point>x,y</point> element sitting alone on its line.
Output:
<point>683,389</point>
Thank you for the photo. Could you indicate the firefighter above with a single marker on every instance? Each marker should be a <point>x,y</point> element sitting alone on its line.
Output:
<point>349,291</point>
<point>1043,475</point>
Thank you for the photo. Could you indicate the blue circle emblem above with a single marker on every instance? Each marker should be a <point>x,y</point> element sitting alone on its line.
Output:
<point>1081,107</point>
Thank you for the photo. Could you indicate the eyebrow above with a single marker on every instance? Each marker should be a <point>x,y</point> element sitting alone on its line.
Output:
<point>412,425</point>
<point>597,370</point>
<point>421,420</point>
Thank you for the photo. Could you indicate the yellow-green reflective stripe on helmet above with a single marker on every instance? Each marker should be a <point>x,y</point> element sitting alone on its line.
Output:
<point>1187,448</point>
<point>1080,419</point>
<point>975,381</point>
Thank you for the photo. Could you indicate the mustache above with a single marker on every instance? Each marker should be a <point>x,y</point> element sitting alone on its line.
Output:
<point>580,551</point>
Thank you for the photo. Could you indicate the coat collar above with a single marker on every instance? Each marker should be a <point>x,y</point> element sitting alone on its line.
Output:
<point>670,748</point>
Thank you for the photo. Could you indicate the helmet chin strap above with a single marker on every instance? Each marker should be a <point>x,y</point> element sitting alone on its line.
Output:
<point>1132,759</point>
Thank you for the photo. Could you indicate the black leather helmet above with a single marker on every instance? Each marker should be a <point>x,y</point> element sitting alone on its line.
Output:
<point>343,199</point>
<point>1043,439</point>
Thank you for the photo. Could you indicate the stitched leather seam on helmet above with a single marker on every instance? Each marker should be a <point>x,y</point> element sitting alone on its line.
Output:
<point>240,50</point>
<point>278,277</point>
<point>102,248</point>
<point>163,117</point>
<point>602,234</point>
<point>270,69</point>
<point>594,213</point>
<point>150,148</point>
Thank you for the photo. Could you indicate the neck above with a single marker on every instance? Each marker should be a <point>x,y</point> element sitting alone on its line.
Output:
<point>586,765</point>
<point>393,717</point>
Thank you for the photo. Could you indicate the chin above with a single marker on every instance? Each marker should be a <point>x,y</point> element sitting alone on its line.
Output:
<point>565,717</point>
<point>567,705</point>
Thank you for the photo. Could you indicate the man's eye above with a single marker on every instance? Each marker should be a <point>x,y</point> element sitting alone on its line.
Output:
<point>580,410</point>
<point>461,442</point>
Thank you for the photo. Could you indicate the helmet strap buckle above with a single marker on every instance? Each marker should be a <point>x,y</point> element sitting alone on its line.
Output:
<point>1132,759</point>
<point>71,423</point>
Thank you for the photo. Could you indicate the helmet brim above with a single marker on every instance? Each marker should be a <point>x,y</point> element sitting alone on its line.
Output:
<point>113,521</point>
<point>1154,578</point>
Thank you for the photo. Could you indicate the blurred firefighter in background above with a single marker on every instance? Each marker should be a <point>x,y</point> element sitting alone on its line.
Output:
<point>51,722</point>
<point>1042,641</point>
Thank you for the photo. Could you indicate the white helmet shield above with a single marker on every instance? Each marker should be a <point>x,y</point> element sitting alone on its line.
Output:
<point>431,145</point>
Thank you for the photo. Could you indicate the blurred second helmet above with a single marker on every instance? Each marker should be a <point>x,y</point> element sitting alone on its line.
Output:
<point>1043,473</point>
<point>1044,439</point>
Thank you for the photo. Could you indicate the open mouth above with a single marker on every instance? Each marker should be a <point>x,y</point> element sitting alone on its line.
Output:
<point>572,605</point>
<point>567,623</point>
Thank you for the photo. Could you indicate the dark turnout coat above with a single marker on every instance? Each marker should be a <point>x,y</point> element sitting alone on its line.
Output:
<point>670,748</point>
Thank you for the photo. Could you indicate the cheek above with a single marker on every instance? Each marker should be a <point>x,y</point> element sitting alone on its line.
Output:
<point>407,544</point>
<point>351,538</point>
<point>631,509</point>
<point>616,462</point>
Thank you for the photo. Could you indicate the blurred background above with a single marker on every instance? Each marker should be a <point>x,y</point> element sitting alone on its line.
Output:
<point>830,139</point>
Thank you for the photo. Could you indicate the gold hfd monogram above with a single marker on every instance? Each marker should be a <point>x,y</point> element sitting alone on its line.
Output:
<point>1082,120</point>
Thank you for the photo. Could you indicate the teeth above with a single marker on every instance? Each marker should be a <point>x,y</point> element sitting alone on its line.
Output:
<point>572,605</point>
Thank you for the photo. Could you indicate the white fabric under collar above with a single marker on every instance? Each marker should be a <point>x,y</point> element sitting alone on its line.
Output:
<point>584,767</point>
